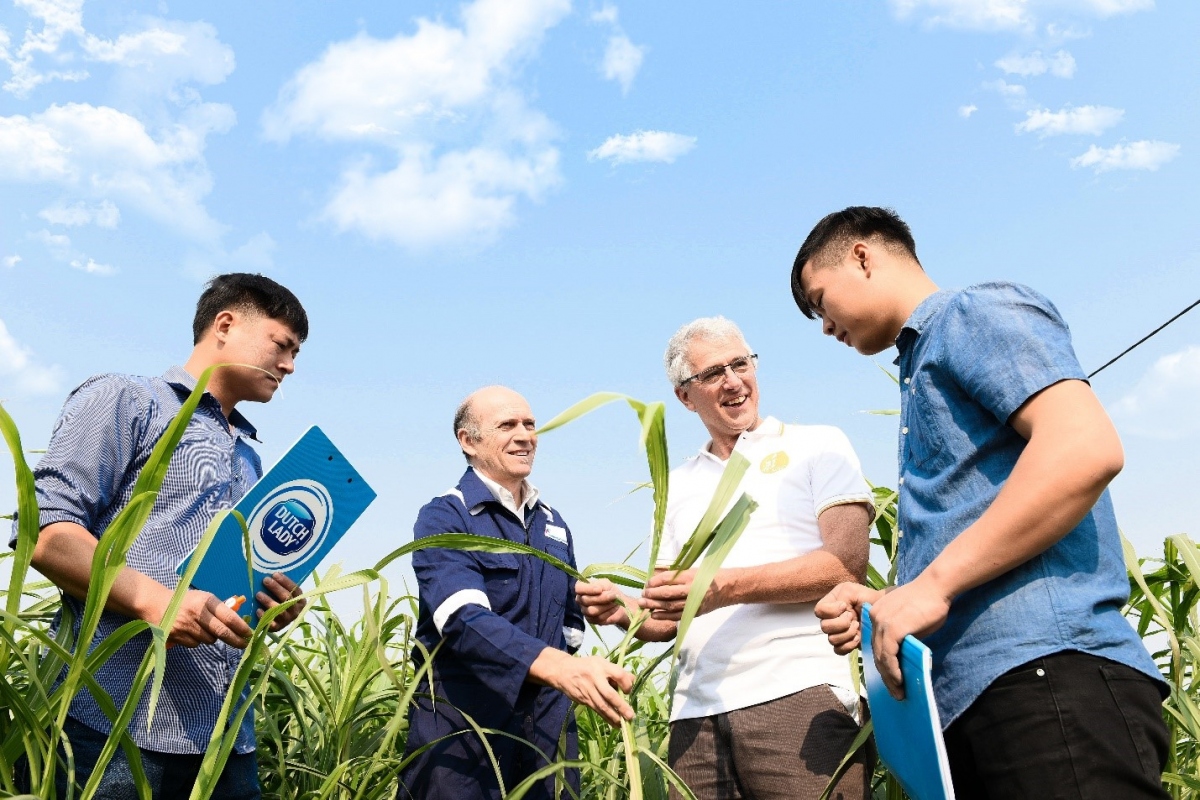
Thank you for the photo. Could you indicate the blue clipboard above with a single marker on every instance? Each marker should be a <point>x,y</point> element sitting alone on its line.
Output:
<point>908,732</point>
<point>295,514</point>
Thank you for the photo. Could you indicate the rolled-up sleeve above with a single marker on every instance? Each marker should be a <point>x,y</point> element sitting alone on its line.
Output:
<point>454,589</point>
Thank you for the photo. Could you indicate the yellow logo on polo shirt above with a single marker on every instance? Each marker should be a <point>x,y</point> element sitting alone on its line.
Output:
<point>774,462</point>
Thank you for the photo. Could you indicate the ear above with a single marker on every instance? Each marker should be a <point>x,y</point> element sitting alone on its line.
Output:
<point>861,252</point>
<point>222,322</point>
<point>682,393</point>
<point>464,442</point>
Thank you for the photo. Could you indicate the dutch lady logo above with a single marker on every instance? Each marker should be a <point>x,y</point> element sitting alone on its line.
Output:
<point>288,526</point>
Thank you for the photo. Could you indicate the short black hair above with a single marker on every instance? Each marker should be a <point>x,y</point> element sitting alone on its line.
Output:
<point>839,229</point>
<point>248,291</point>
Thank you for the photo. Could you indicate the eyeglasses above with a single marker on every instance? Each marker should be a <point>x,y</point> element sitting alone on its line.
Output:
<point>709,377</point>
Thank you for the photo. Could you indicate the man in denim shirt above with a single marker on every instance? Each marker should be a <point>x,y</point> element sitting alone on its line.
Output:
<point>106,431</point>
<point>1009,561</point>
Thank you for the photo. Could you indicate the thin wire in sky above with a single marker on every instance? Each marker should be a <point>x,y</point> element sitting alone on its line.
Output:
<point>1121,355</point>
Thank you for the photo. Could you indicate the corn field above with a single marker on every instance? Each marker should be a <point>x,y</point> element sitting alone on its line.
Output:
<point>331,698</point>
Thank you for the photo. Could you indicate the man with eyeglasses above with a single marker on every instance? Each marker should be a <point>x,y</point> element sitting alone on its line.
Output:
<point>763,707</point>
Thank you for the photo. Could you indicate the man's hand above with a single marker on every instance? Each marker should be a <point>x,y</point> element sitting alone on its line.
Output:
<point>839,613</point>
<point>666,595</point>
<point>599,602</point>
<point>283,588</point>
<point>204,618</point>
<point>589,680</point>
<point>918,608</point>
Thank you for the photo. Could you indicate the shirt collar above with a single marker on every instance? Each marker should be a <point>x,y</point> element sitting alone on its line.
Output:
<point>768,427</point>
<point>477,489</point>
<point>180,378</point>
<point>920,316</point>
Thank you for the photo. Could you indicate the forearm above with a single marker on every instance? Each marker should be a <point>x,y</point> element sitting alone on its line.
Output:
<point>804,579</point>
<point>650,630</point>
<point>655,630</point>
<point>64,554</point>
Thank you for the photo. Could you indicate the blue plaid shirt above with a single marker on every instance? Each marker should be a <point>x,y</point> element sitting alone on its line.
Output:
<point>969,359</point>
<point>106,431</point>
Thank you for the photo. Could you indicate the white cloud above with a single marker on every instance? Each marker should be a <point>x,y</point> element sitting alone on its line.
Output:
<point>157,56</point>
<point>1145,154</point>
<point>61,249</point>
<point>100,152</point>
<point>11,261</point>
<point>257,253</point>
<point>104,214</point>
<point>18,369</point>
<point>429,199</point>
<point>1089,120</point>
<point>1060,64</point>
<point>1014,94</point>
<point>145,149</point>
<point>622,60</point>
<point>1015,15</point>
<point>444,101</point>
<point>966,111</point>
<point>1162,404</point>
<point>608,13</point>
<point>644,146</point>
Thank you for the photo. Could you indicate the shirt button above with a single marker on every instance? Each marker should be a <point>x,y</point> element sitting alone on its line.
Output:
<point>904,429</point>
<point>899,534</point>
<point>902,481</point>
<point>907,381</point>
<point>1041,673</point>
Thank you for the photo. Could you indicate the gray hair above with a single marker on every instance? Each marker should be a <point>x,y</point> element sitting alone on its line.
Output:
<point>464,420</point>
<point>710,329</point>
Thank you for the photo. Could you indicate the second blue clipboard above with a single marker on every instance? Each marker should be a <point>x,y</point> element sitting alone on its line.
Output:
<point>908,732</point>
<point>295,514</point>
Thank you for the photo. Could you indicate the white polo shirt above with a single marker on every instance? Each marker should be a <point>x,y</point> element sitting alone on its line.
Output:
<point>742,655</point>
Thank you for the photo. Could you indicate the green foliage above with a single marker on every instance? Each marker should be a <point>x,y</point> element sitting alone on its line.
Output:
<point>331,700</point>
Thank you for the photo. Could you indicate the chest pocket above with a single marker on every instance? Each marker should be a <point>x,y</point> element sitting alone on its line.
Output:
<point>502,578</point>
<point>923,441</point>
<point>555,582</point>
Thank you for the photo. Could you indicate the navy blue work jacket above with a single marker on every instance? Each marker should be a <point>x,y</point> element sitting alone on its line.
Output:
<point>493,614</point>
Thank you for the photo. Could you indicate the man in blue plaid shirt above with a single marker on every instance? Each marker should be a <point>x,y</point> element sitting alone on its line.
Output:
<point>106,431</point>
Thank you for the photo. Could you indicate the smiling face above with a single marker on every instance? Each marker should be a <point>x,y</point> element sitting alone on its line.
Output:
<point>728,407</point>
<point>507,439</point>
<point>852,302</point>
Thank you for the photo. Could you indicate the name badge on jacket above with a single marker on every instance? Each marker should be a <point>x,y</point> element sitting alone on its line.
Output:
<point>556,533</point>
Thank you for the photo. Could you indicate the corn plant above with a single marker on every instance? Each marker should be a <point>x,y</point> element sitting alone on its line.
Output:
<point>331,700</point>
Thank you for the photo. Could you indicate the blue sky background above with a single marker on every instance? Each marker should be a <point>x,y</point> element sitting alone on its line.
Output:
<point>539,192</point>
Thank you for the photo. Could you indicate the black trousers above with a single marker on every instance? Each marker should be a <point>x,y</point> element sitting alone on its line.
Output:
<point>1069,725</point>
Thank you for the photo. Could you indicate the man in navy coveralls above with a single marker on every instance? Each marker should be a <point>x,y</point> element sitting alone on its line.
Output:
<point>508,625</point>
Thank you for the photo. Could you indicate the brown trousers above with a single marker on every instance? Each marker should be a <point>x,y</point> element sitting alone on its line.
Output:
<point>786,748</point>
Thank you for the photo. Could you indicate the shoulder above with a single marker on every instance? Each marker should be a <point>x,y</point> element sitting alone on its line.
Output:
<point>816,440</point>
<point>107,392</point>
<point>1000,297</point>
<point>690,465</point>
<point>451,501</point>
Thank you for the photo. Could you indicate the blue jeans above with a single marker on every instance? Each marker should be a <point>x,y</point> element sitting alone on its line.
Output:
<point>169,775</point>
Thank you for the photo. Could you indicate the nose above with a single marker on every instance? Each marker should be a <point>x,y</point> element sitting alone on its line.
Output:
<point>287,364</point>
<point>731,378</point>
<point>827,327</point>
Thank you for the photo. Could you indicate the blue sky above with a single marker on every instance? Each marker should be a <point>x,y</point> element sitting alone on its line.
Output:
<point>538,192</point>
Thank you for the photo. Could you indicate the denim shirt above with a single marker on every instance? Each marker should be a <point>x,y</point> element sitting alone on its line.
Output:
<point>106,431</point>
<point>968,360</point>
